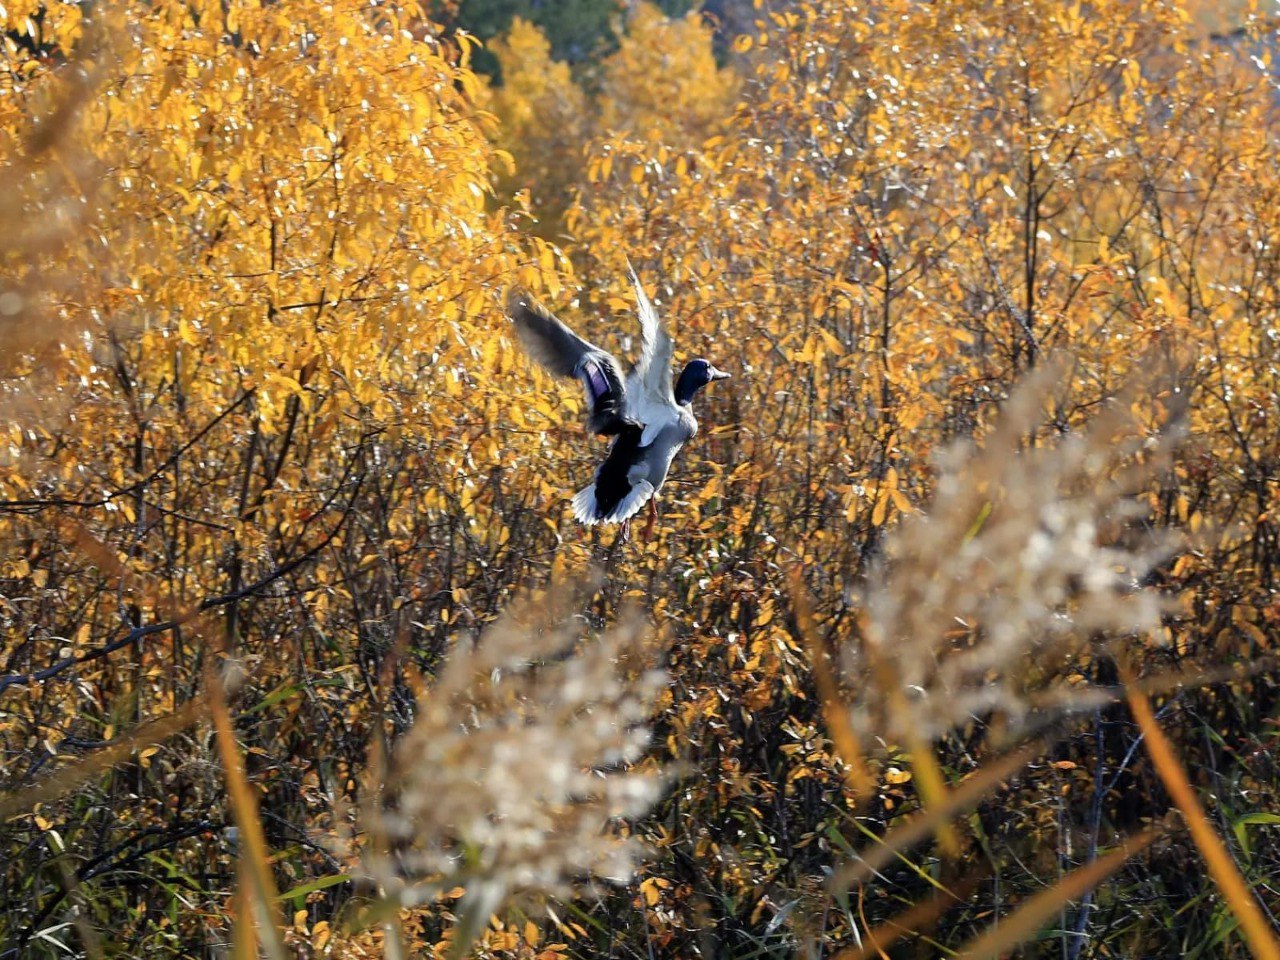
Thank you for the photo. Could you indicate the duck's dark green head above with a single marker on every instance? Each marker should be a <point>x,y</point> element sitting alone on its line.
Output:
<point>696,375</point>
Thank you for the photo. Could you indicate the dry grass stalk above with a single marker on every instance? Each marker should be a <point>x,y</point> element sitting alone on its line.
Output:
<point>858,777</point>
<point>1257,931</point>
<point>1023,550</point>
<point>50,184</point>
<point>1023,923</point>
<point>257,889</point>
<point>511,779</point>
<point>913,921</point>
<point>1017,564</point>
<point>915,828</point>
<point>121,750</point>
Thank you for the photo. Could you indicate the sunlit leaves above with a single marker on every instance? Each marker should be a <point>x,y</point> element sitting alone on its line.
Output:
<point>259,278</point>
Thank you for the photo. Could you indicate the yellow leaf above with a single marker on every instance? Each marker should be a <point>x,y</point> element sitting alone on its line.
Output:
<point>881,509</point>
<point>650,891</point>
<point>833,344</point>
<point>900,500</point>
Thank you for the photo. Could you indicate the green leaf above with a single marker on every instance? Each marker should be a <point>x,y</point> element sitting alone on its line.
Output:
<point>323,883</point>
<point>1251,819</point>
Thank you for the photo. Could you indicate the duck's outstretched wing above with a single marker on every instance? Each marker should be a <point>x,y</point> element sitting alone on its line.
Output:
<point>649,381</point>
<point>562,352</point>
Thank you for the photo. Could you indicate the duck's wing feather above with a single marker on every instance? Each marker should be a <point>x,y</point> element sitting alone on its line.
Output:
<point>562,352</point>
<point>650,397</point>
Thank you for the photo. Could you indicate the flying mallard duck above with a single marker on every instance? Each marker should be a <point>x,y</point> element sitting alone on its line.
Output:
<point>648,420</point>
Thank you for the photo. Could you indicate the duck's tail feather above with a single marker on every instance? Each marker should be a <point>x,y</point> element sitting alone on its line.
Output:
<point>586,508</point>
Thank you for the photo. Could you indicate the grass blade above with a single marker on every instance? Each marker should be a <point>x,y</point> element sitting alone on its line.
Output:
<point>119,751</point>
<point>1024,922</point>
<point>259,897</point>
<point>914,829</point>
<point>1253,923</point>
<point>834,711</point>
<point>913,920</point>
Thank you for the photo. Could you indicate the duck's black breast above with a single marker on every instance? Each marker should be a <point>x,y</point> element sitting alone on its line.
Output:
<point>612,482</point>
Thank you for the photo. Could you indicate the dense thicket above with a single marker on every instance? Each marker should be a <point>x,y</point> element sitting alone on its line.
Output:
<point>268,441</point>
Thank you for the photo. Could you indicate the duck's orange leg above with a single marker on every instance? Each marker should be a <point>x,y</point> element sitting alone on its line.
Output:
<point>653,518</point>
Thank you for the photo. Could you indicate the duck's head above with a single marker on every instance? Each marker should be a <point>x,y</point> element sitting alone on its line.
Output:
<point>696,375</point>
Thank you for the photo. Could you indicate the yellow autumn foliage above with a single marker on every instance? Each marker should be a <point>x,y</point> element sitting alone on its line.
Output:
<point>271,460</point>
<point>542,120</point>
<point>663,83</point>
